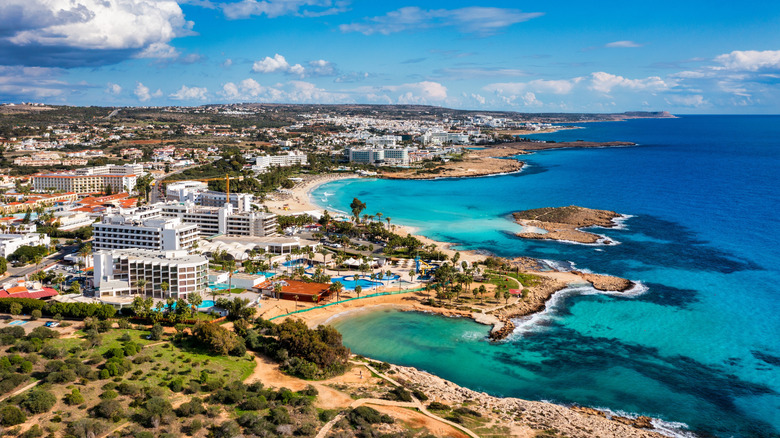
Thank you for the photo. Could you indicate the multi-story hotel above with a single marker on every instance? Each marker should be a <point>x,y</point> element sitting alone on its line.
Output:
<point>143,228</point>
<point>383,156</point>
<point>263,162</point>
<point>149,273</point>
<point>90,179</point>
<point>198,193</point>
<point>225,220</point>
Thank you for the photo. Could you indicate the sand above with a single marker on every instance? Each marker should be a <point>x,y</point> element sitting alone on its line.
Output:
<point>298,200</point>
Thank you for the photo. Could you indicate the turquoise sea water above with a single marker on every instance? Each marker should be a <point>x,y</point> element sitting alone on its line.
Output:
<point>701,346</point>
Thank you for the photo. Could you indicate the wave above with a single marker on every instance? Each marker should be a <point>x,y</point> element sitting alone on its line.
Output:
<point>620,222</point>
<point>667,428</point>
<point>530,323</point>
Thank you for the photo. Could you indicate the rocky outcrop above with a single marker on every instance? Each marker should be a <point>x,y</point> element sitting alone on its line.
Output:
<point>564,223</point>
<point>518,414</point>
<point>605,283</point>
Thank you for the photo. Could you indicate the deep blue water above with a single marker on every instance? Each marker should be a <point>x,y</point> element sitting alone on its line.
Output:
<point>700,347</point>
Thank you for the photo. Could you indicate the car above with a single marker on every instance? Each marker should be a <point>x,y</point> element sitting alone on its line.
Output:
<point>52,324</point>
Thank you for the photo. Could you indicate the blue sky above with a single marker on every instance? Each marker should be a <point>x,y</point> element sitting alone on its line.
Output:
<point>552,56</point>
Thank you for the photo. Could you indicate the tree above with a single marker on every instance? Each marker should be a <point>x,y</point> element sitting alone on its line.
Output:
<point>16,309</point>
<point>336,288</point>
<point>3,265</point>
<point>357,207</point>
<point>296,301</point>
<point>11,416</point>
<point>156,333</point>
<point>35,314</point>
<point>75,288</point>
<point>140,284</point>
<point>358,290</point>
<point>507,295</point>
<point>164,286</point>
<point>195,300</point>
<point>277,290</point>
<point>39,401</point>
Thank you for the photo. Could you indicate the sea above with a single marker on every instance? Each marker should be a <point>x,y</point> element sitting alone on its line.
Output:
<point>695,345</point>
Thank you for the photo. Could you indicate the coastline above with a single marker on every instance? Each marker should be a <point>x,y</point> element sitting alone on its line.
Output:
<point>534,413</point>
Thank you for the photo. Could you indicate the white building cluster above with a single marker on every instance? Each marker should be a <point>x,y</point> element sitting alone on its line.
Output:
<point>90,179</point>
<point>293,158</point>
<point>149,273</point>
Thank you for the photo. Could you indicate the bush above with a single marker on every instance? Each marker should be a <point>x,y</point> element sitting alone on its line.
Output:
<point>109,409</point>
<point>156,333</point>
<point>11,416</point>
<point>362,416</point>
<point>436,406</point>
<point>74,398</point>
<point>194,427</point>
<point>399,394</point>
<point>39,401</point>
<point>279,415</point>
<point>33,432</point>
<point>86,427</point>
<point>36,314</point>
<point>466,411</point>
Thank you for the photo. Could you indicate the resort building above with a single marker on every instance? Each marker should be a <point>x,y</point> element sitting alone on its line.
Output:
<point>439,138</point>
<point>380,156</point>
<point>11,242</point>
<point>197,192</point>
<point>90,179</point>
<point>384,141</point>
<point>148,273</point>
<point>295,290</point>
<point>228,221</point>
<point>293,158</point>
<point>143,228</point>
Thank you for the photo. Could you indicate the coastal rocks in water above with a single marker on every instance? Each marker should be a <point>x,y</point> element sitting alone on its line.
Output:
<point>640,422</point>
<point>519,415</point>
<point>564,223</point>
<point>605,283</point>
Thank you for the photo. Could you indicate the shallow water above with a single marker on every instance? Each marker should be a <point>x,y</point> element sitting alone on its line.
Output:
<point>701,346</point>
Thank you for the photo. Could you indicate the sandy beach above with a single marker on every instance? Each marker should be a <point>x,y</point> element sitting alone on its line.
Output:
<point>298,199</point>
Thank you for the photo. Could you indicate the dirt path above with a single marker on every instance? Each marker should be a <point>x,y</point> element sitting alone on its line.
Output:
<point>21,390</point>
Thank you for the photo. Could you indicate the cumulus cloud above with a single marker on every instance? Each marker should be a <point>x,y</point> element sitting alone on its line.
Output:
<point>693,101</point>
<point>73,33</point>
<point>18,82</point>
<point>276,64</point>
<point>561,86</point>
<point>190,93</point>
<point>750,60</point>
<point>278,8</point>
<point>143,93</point>
<point>604,83</point>
<point>114,89</point>
<point>418,92</point>
<point>475,19</point>
<point>622,44</point>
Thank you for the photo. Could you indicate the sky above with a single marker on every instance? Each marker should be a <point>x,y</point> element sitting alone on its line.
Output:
<point>694,57</point>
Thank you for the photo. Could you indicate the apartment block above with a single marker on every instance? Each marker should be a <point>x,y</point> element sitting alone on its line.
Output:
<point>149,273</point>
<point>143,228</point>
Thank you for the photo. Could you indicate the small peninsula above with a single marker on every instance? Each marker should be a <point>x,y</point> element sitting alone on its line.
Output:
<point>564,223</point>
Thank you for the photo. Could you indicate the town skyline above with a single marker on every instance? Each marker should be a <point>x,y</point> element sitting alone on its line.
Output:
<point>533,57</point>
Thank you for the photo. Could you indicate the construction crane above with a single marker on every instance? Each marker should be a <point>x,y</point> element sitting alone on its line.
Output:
<point>227,179</point>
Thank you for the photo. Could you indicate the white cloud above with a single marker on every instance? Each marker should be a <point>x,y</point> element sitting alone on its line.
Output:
<point>143,93</point>
<point>559,86</point>
<point>750,60</point>
<point>479,98</point>
<point>419,92</point>
<point>277,8</point>
<point>605,82</point>
<point>113,89</point>
<point>17,82</point>
<point>145,26</point>
<point>277,64</point>
<point>228,62</point>
<point>475,19</point>
<point>622,44</point>
<point>694,101</point>
<point>190,93</point>
<point>158,51</point>
<point>322,67</point>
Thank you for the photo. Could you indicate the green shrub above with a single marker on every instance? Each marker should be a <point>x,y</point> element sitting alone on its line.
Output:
<point>39,401</point>
<point>11,416</point>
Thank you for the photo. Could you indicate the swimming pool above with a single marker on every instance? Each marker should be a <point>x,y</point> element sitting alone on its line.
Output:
<point>349,282</point>
<point>391,277</point>
<point>296,262</point>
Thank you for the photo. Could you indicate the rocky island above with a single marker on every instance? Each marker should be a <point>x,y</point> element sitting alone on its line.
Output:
<point>564,223</point>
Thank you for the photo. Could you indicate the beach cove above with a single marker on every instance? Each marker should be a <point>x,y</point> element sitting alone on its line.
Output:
<point>650,354</point>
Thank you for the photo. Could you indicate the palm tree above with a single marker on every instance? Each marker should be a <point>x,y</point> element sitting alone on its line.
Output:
<point>296,302</point>
<point>324,253</point>
<point>164,286</point>
<point>337,287</point>
<point>388,222</point>
<point>141,284</point>
<point>59,279</point>
<point>379,217</point>
<point>277,290</point>
<point>358,289</point>
<point>288,258</point>
<point>230,265</point>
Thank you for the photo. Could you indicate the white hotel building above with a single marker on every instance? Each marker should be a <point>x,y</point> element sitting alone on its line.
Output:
<point>228,221</point>
<point>90,179</point>
<point>380,156</point>
<point>117,273</point>
<point>145,229</point>
<point>264,162</point>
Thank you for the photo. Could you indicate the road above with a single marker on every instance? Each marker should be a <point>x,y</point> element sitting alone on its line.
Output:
<point>46,262</point>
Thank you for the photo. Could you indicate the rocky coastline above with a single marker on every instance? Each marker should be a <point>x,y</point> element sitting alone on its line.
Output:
<point>524,417</point>
<point>605,283</point>
<point>565,223</point>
